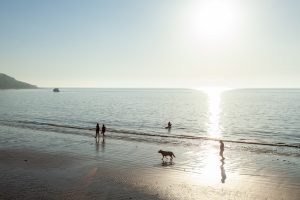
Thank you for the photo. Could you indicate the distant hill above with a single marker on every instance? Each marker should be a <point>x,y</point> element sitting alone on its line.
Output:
<point>7,82</point>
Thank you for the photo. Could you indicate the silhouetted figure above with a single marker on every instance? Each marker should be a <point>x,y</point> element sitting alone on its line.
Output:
<point>97,131</point>
<point>223,175</point>
<point>103,130</point>
<point>221,149</point>
<point>169,125</point>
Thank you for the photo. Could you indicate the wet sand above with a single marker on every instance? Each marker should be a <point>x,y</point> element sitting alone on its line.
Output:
<point>48,165</point>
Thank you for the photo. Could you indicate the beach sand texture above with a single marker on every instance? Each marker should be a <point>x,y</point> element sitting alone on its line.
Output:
<point>49,165</point>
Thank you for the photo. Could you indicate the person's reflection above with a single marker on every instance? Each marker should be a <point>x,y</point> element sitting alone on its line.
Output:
<point>97,145</point>
<point>103,144</point>
<point>223,174</point>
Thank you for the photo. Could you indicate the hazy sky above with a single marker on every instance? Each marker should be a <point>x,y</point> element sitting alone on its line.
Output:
<point>153,43</point>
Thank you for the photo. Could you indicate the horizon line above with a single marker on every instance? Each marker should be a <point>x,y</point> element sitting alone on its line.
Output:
<point>187,88</point>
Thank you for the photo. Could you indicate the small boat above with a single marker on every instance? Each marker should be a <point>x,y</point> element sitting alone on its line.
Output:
<point>55,90</point>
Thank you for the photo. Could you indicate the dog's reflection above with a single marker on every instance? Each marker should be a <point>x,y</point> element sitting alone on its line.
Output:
<point>166,163</point>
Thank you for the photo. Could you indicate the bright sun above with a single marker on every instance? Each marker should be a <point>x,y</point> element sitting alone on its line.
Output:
<point>213,20</point>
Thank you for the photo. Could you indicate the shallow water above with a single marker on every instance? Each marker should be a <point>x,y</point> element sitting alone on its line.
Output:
<point>258,116</point>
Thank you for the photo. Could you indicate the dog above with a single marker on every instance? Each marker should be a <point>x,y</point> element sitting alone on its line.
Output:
<point>166,153</point>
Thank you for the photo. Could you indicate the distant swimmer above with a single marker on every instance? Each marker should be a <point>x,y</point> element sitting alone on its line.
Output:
<point>169,125</point>
<point>103,130</point>
<point>221,149</point>
<point>97,131</point>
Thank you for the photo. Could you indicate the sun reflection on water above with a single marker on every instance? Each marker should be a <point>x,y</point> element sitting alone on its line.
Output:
<point>210,167</point>
<point>211,170</point>
<point>214,110</point>
<point>213,165</point>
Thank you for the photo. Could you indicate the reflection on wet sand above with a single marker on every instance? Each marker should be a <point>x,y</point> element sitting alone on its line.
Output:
<point>98,144</point>
<point>165,163</point>
<point>206,165</point>
<point>223,174</point>
<point>103,145</point>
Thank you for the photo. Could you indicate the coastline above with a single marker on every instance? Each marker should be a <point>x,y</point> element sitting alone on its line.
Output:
<point>49,165</point>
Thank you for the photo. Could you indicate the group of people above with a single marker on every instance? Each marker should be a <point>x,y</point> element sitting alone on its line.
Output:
<point>169,126</point>
<point>103,129</point>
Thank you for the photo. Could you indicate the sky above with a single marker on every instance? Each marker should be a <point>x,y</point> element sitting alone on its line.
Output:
<point>151,43</point>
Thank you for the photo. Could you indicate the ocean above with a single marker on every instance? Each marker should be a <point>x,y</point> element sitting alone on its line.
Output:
<point>259,116</point>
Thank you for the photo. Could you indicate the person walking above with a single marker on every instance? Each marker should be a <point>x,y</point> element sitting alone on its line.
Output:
<point>103,130</point>
<point>221,149</point>
<point>97,131</point>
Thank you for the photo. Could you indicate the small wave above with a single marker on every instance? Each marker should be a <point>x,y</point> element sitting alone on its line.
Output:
<point>55,125</point>
<point>51,127</point>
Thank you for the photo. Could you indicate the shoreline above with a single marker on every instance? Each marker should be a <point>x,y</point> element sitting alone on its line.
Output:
<point>61,166</point>
<point>139,136</point>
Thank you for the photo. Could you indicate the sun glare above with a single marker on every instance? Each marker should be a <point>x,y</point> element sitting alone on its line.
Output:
<point>211,170</point>
<point>214,109</point>
<point>213,20</point>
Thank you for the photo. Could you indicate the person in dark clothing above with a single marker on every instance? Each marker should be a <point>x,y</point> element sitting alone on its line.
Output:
<point>97,131</point>
<point>169,126</point>
<point>221,149</point>
<point>103,130</point>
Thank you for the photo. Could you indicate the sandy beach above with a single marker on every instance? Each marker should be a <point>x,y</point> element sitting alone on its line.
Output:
<point>49,165</point>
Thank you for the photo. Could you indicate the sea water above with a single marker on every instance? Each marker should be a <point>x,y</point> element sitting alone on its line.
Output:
<point>266,117</point>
